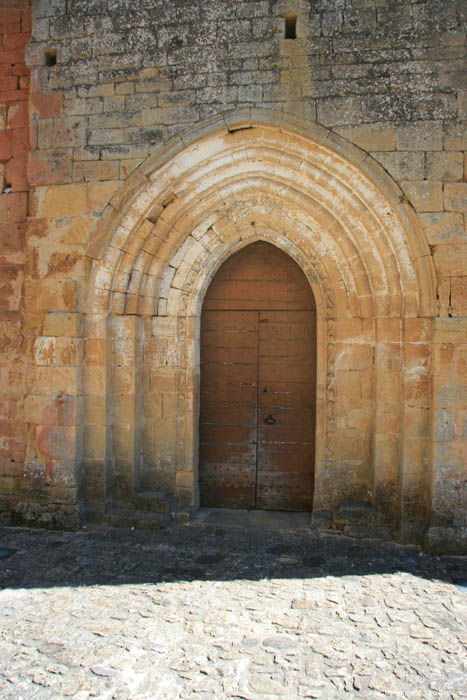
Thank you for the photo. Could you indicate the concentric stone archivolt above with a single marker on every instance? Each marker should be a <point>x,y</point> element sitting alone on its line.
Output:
<point>345,215</point>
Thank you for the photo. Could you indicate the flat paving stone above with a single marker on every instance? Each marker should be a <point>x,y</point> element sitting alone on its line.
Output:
<point>228,607</point>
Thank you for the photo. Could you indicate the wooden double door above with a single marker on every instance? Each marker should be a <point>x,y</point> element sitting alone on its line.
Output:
<point>258,384</point>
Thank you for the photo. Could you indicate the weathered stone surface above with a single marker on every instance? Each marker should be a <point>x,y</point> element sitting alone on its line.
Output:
<point>48,516</point>
<point>442,227</point>
<point>142,143</point>
<point>227,611</point>
<point>15,30</point>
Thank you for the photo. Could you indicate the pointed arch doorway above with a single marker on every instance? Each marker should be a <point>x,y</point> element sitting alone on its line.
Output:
<point>258,384</point>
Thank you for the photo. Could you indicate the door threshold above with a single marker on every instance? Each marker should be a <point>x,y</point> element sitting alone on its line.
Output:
<point>237,517</point>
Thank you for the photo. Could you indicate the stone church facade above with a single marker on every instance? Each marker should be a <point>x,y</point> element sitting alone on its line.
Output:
<point>145,143</point>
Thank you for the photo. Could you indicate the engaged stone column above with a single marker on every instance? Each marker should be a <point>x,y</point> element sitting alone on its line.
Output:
<point>387,426</point>
<point>124,407</point>
<point>449,435</point>
<point>416,472</point>
<point>97,418</point>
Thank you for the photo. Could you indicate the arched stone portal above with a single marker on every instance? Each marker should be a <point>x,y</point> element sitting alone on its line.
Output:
<point>258,384</point>
<point>345,223</point>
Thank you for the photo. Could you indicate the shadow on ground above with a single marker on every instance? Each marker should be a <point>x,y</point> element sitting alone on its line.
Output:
<point>206,550</point>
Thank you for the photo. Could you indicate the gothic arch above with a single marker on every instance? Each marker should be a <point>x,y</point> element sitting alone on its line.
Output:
<point>318,171</point>
<point>231,181</point>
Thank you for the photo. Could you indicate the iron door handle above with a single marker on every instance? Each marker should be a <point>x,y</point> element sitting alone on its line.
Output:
<point>270,420</point>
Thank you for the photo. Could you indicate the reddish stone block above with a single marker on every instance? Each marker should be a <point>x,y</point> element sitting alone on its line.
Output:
<point>10,286</point>
<point>5,68</point>
<point>13,41</point>
<point>12,56</point>
<point>7,428</point>
<point>15,174</point>
<point>3,209</point>
<point>12,238</point>
<point>10,15</point>
<point>19,69</point>
<point>20,142</point>
<point>5,145</point>
<point>17,206</point>
<point>9,82</point>
<point>26,23</point>
<point>13,95</point>
<point>12,209</point>
<point>13,27</point>
<point>18,115</point>
<point>46,105</point>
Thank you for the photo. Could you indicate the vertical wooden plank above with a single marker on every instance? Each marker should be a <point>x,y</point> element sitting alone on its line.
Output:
<point>286,410</point>
<point>228,418</point>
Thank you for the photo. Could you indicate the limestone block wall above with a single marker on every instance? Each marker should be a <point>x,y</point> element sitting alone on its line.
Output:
<point>118,88</point>
<point>15,30</point>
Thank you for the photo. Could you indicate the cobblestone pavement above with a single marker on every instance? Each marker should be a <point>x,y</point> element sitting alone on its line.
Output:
<point>203,611</point>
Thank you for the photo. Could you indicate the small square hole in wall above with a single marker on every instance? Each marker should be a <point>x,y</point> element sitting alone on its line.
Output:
<point>51,57</point>
<point>291,27</point>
